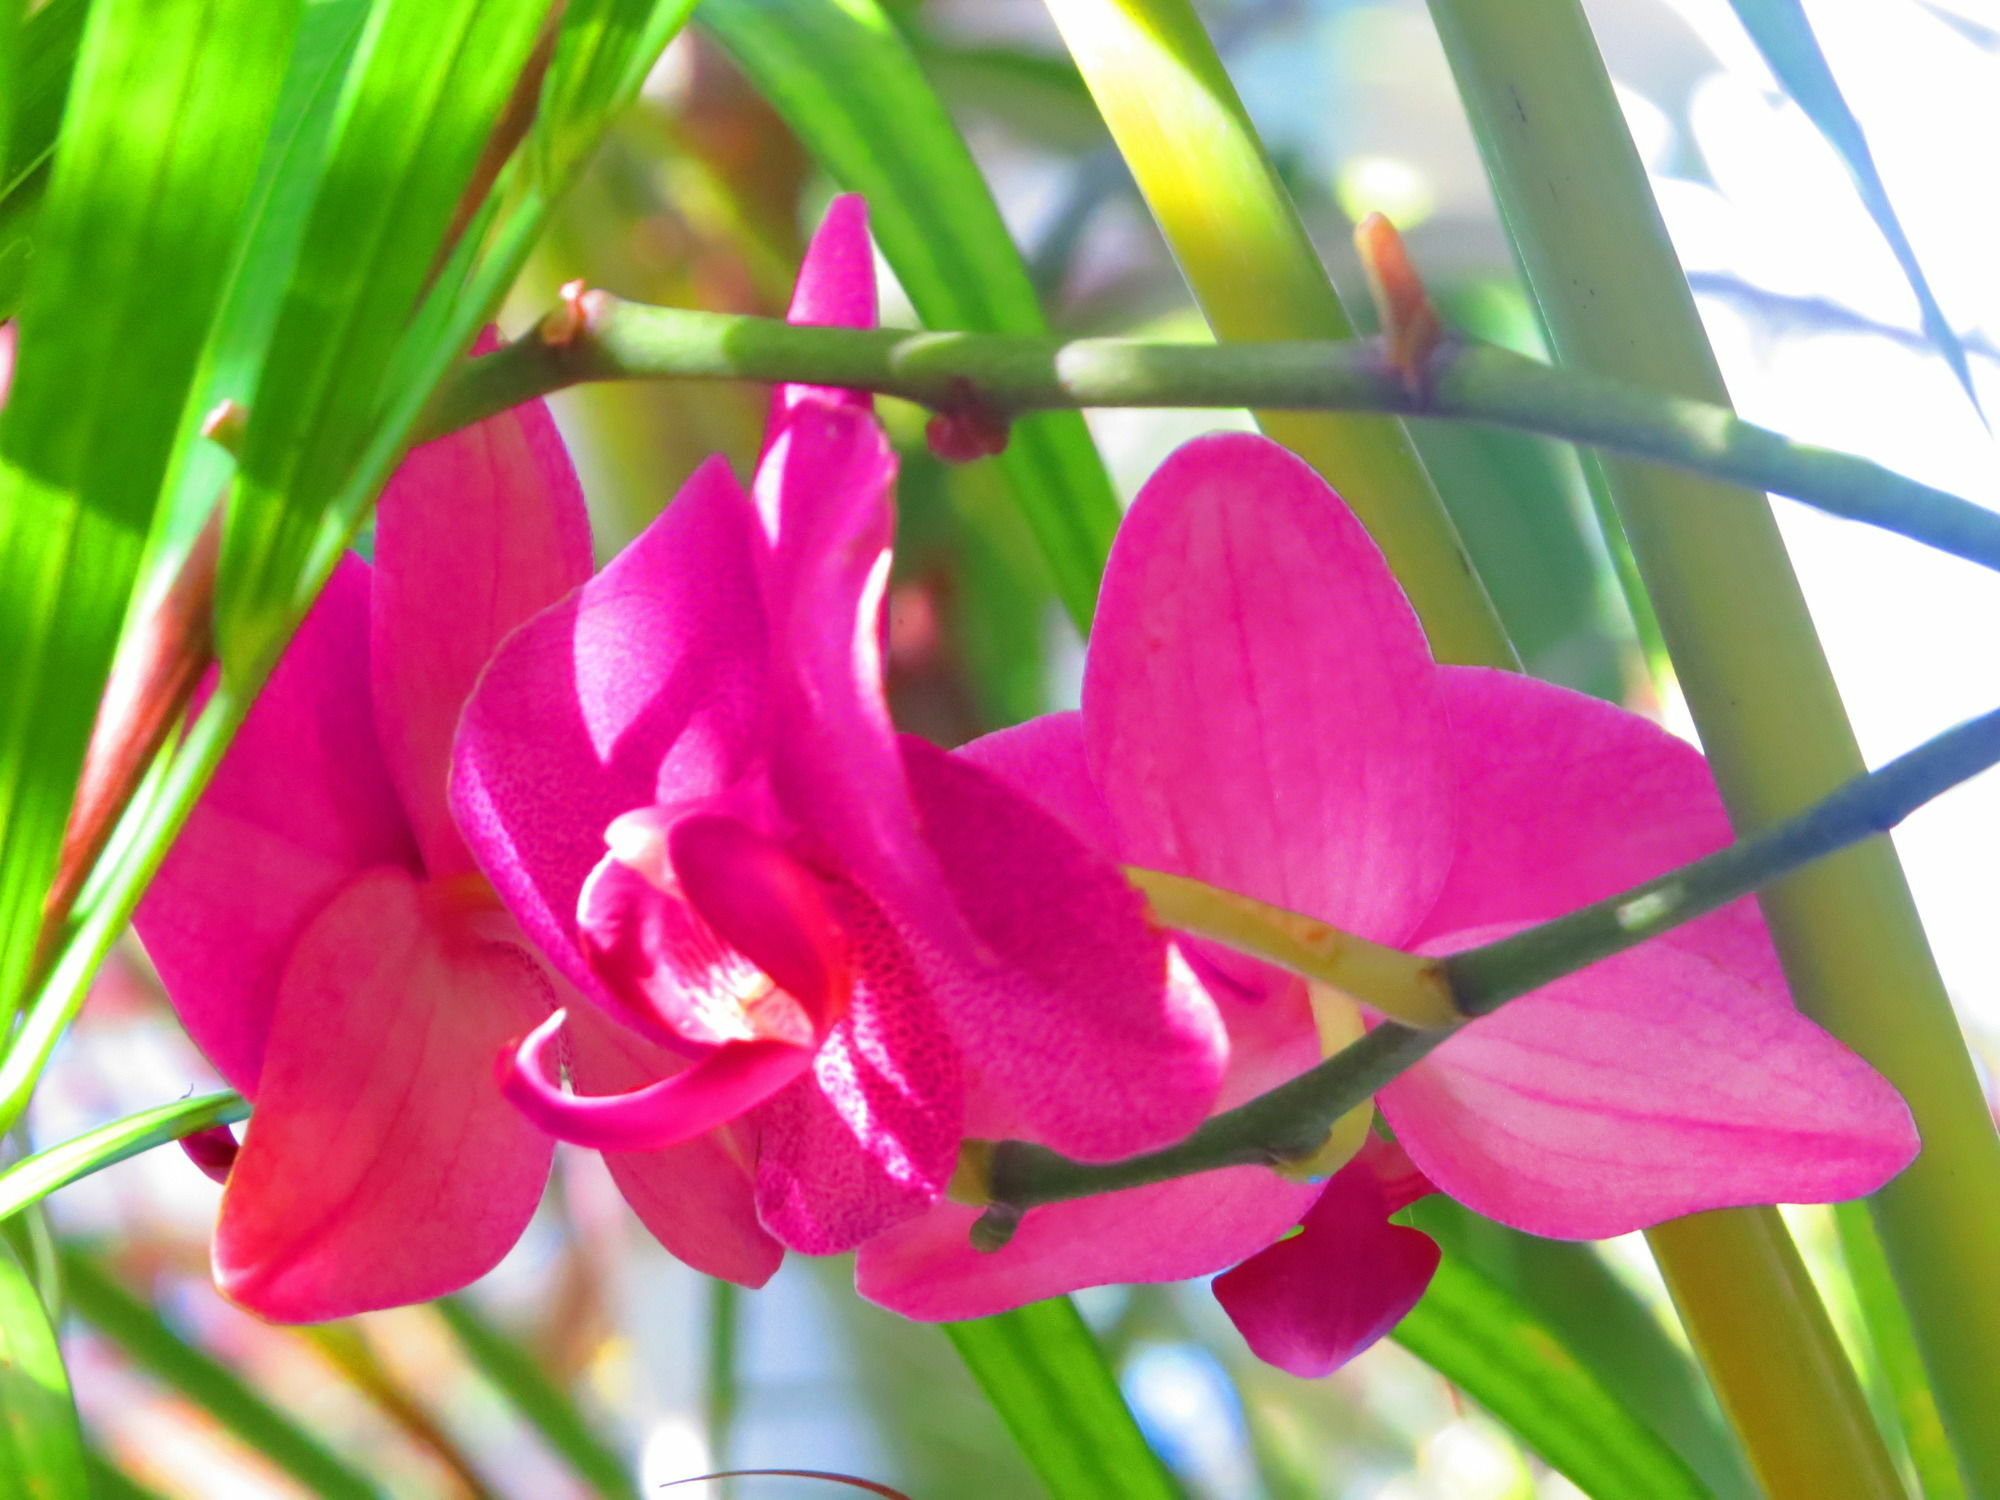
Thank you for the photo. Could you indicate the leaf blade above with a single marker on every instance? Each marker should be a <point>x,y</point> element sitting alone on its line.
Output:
<point>844,78</point>
<point>133,1325</point>
<point>160,139</point>
<point>1046,1376</point>
<point>41,1441</point>
<point>32,1179</point>
<point>1484,1340</point>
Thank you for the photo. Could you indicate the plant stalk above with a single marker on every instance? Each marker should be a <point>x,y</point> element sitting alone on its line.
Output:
<point>1596,253</point>
<point>1238,238</point>
<point>1467,381</point>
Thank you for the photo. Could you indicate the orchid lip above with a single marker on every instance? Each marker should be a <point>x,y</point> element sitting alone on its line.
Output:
<point>706,930</point>
<point>735,1077</point>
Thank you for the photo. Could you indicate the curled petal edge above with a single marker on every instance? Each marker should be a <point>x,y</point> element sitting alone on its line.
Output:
<point>735,1077</point>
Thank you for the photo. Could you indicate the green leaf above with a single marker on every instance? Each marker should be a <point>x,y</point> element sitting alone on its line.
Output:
<point>43,58</point>
<point>41,1444</point>
<point>844,78</point>
<point>34,1178</point>
<point>519,1378</point>
<point>1492,1347</point>
<point>1604,1327</point>
<point>37,57</point>
<point>109,1482</point>
<point>1894,1344</point>
<point>161,136</point>
<point>1047,1378</point>
<point>1785,37</point>
<point>428,87</point>
<point>150,1344</point>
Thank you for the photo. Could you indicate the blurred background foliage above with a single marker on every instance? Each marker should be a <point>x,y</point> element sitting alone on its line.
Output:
<point>699,196</point>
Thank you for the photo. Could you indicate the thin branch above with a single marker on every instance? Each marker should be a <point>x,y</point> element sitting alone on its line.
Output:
<point>994,374</point>
<point>1289,1123</point>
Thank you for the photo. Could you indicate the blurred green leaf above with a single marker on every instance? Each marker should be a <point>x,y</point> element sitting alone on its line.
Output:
<point>160,141</point>
<point>429,86</point>
<point>1603,1326</point>
<point>149,1343</point>
<point>1490,1345</point>
<point>34,1178</point>
<point>37,57</point>
<point>41,58</point>
<point>546,1406</point>
<point>41,1445</point>
<point>1785,37</point>
<point>109,1482</point>
<point>1044,1373</point>
<point>844,78</point>
<point>1519,504</point>
<point>1894,1345</point>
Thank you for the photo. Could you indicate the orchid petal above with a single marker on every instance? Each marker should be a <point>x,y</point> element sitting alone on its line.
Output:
<point>695,1198</point>
<point>1653,1084</point>
<point>668,1112</point>
<point>300,805</point>
<point>1542,768</point>
<point>648,685</point>
<point>871,1138</point>
<point>1310,1303</point>
<point>1071,1017</point>
<point>475,532</point>
<point>1043,760</point>
<point>381,1167</point>
<point>1260,708</point>
<point>928,1269</point>
<point>836,287</point>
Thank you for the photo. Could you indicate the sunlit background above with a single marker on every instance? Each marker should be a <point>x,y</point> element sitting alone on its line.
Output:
<point>700,199</point>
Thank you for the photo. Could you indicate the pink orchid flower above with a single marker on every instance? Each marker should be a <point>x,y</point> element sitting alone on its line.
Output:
<point>320,925</point>
<point>818,948</point>
<point>1261,712</point>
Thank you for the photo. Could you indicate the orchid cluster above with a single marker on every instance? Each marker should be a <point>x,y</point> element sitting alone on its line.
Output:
<point>511,853</point>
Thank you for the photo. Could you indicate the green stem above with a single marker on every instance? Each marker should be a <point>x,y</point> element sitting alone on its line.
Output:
<point>1743,1292</point>
<point>1239,240</point>
<point>1578,204</point>
<point>1291,1121</point>
<point>1467,382</point>
<point>719,1408</point>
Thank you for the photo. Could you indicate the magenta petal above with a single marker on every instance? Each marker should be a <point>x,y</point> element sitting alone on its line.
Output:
<point>1260,708</point>
<point>1542,768</point>
<point>928,1269</point>
<point>696,1198</point>
<point>1654,1084</point>
<point>1043,760</point>
<point>871,1137</point>
<point>646,686</point>
<point>300,805</point>
<point>475,532</point>
<point>836,287</point>
<point>381,1166</point>
<point>667,1112</point>
<point>755,895</point>
<point>1071,1015</point>
<point>1310,1303</point>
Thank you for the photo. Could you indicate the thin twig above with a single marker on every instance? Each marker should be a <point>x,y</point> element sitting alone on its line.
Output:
<point>1465,381</point>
